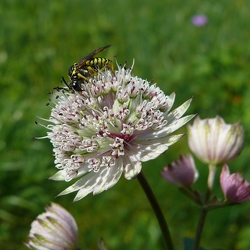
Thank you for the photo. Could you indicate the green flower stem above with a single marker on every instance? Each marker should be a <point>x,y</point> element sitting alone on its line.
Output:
<point>203,214</point>
<point>191,194</point>
<point>200,228</point>
<point>204,210</point>
<point>211,175</point>
<point>157,210</point>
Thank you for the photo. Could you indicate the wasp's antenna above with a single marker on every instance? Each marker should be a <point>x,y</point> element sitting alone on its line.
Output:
<point>64,82</point>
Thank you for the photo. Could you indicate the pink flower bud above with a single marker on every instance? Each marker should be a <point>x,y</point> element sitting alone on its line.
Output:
<point>181,172</point>
<point>234,187</point>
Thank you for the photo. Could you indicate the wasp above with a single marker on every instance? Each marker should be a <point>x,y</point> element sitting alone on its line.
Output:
<point>89,66</point>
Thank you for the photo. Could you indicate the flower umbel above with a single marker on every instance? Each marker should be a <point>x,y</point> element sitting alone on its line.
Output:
<point>181,172</point>
<point>54,230</point>
<point>234,187</point>
<point>215,142</point>
<point>114,124</point>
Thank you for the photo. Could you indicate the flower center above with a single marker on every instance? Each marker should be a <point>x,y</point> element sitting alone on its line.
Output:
<point>124,137</point>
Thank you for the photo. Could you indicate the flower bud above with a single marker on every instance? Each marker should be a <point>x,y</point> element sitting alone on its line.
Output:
<point>215,142</point>
<point>235,188</point>
<point>55,229</point>
<point>181,172</point>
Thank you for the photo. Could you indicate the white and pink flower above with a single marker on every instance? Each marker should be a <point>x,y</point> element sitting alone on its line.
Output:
<point>112,126</point>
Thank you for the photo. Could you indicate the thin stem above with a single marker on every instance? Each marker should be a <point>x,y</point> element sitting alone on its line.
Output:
<point>203,214</point>
<point>157,210</point>
<point>211,175</point>
<point>191,194</point>
<point>199,228</point>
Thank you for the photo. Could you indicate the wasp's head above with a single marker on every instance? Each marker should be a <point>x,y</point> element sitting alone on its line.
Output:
<point>75,85</point>
<point>72,70</point>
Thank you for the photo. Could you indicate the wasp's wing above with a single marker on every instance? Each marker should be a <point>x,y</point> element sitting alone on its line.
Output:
<point>91,55</point>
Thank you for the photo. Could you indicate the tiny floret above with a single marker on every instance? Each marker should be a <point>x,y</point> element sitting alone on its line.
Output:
<point>235,188</point>
<point>110,127</point>
<point>215,142</point>
<point>55,229</point>
<point>181,172</point>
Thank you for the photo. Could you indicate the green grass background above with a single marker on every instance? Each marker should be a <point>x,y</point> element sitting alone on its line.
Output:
<point>40,40</point>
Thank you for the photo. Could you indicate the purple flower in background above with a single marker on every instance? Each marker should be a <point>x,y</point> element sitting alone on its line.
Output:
<point>199,20</point>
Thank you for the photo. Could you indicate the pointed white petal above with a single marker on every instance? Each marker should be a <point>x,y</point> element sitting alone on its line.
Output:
<point>170,99</point>
<point>58,176</point>
<point>113,175</point>
<point>176,124</point>
<point>148,150</point>
<point>178,112</point>
<point>132,168</point>
<point>86,180</point>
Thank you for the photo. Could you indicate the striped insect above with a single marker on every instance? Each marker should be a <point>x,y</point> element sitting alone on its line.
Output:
<point>89,66</point>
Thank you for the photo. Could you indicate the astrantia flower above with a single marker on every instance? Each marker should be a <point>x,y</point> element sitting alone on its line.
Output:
<point>215,142</point>
<point>181,172</point>
<point>114,124</point>
<point>234,186</point>
<point>54,230</point>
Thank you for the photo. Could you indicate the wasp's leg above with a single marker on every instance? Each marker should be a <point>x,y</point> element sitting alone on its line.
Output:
<point>110,66</point>
<point>92,70</point>
<point>82,77</point>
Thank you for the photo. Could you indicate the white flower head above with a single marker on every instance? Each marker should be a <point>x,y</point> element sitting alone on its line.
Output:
<point>113,125</point>
<point>55,229</point>
<point>215,142</point>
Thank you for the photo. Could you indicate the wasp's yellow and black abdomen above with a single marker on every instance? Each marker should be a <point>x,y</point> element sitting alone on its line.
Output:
<point>100,63</point>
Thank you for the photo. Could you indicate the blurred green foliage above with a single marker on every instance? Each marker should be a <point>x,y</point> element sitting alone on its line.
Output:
<point>39,40</point>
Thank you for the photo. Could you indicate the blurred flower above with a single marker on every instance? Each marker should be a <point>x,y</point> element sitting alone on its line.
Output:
<point>234,187</point>
<point>109,128</point>
<point>213,141</point>
<point>55,229</point>
<point>102,245</point>
<point>181,172</point>
<point>199,20</point>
